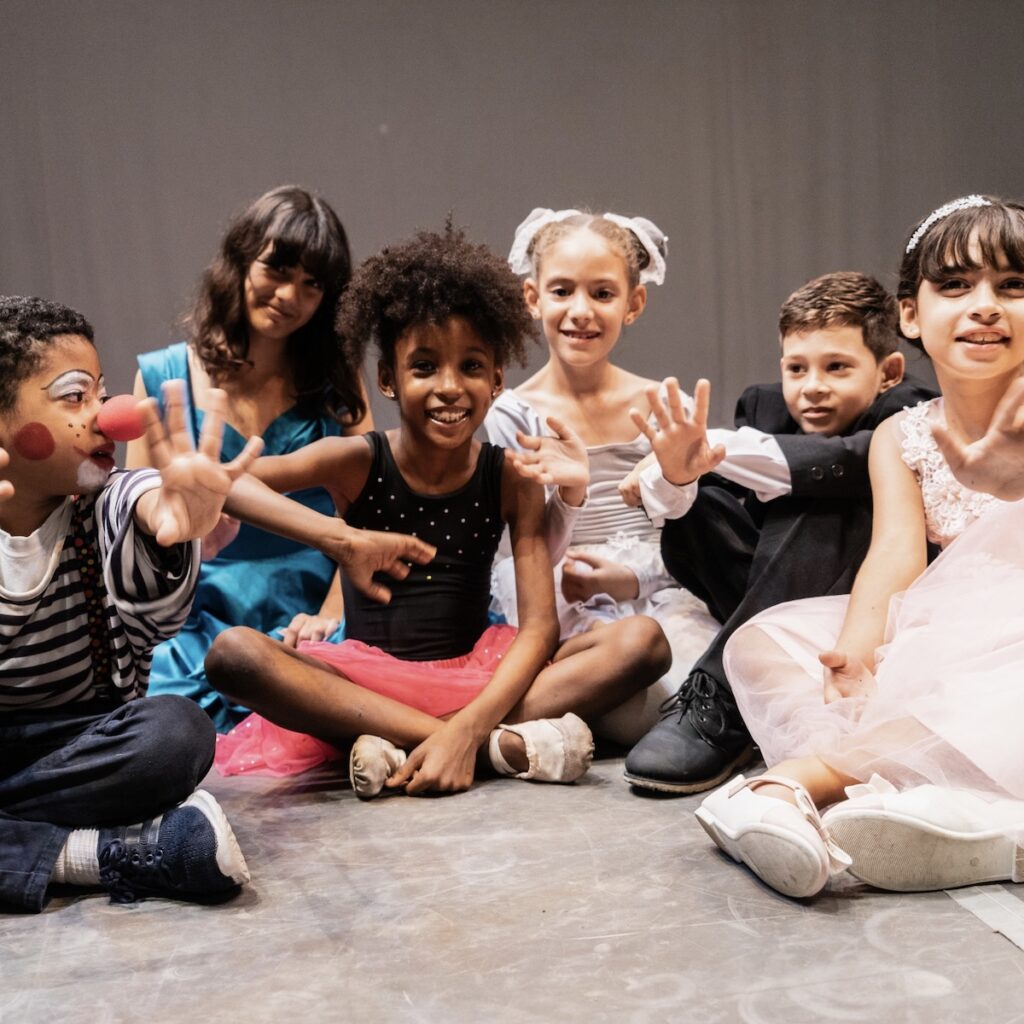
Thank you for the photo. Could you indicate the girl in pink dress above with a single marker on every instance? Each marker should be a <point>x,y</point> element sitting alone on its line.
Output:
<point>424,683</point>
<point>907,695</point>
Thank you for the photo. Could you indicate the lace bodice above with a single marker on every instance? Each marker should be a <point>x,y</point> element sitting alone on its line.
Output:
<point>949,507</point>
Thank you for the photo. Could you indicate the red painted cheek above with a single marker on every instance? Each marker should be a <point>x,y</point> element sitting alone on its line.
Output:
<point>34,442</point>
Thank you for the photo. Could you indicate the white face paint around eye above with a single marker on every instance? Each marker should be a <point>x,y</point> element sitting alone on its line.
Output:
<point>75,382</point>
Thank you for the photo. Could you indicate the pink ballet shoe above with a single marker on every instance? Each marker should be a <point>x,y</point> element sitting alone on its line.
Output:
<point>557,749</point>
<point>372,762</point>
<point>928,837</point>
<point>786,846</point>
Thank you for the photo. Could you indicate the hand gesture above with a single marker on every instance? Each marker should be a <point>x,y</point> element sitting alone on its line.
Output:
<point>361,553</point>
<point>994,463</point>
<point>194,482</point>
<point>846,676</point>
<point>584,575</point>
<point>681,441</point>
<point>220,536</point>
<point>444,762</point>
<point>305,627</point>
<point>629,485</point>
<point>559,460</point>
<point>6,487</point>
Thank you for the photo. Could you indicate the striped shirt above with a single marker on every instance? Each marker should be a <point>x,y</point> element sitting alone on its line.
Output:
<point>46,652</point>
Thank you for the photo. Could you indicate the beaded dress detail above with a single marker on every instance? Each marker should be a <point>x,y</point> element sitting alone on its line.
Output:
<point>949,507</point>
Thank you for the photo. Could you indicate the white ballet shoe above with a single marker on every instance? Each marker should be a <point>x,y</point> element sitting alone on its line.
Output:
<point>557,749</point>
<point>372,762</point>
<point>928,838</point>
<point>786,846</point>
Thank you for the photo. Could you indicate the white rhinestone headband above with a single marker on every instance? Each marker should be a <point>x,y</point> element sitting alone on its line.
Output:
<point>963,203</point>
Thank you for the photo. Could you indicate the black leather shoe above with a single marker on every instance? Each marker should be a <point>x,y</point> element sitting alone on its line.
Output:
<point>699,743</point>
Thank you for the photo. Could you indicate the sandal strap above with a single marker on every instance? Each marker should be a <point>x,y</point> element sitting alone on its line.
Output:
<point>838,859</point>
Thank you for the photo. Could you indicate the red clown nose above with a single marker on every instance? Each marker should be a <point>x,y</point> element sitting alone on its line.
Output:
<point>120,419</point>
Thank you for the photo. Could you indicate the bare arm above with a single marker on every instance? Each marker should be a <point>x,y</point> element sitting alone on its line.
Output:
<point>897,556</point>
<point>359,552</point>
<point>446,760</point>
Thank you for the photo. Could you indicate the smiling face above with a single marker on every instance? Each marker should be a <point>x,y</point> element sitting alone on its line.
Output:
<point>51,436</point>
<point>970,322</point>
<point>830,377</point>
<point>582,297</point>
<point>444,379</point>
<point>279,300</point>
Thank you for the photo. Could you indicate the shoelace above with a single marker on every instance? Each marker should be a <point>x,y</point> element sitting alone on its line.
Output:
<point>125,870</point>
<point>699,699</point>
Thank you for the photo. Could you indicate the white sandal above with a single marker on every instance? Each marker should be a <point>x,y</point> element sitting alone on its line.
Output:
<point>786,846</point>
<point>372,762</point>
<point>557,749</point>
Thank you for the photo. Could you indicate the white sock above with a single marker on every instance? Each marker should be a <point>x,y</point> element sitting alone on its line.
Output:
<point>78,862</point>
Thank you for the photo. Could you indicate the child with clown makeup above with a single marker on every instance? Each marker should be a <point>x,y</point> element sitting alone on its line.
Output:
<point>97,566</point>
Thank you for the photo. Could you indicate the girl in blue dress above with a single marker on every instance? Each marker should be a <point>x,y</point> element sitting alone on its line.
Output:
<point>262,329</point>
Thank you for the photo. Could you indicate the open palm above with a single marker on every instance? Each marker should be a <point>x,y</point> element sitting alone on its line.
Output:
<point>680,443</point>
<point>194,482</point>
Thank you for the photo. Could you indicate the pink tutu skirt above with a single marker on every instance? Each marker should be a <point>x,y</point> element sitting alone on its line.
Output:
<point>949,708</point>
<point>257,746</point>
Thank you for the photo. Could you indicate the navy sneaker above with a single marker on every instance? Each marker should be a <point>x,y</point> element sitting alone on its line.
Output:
<point>189,853</point>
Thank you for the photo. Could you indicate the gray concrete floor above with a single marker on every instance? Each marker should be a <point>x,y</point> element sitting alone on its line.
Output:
<point>513,902</point>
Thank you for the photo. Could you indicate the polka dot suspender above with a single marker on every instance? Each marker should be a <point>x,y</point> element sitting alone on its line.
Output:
<point>90,570</point>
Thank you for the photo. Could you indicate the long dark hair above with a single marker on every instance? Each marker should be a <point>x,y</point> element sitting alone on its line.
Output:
<point>303,229</point>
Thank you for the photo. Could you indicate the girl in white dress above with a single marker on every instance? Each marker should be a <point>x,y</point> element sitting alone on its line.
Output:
<point>587,279</point>
<point>908,695</point>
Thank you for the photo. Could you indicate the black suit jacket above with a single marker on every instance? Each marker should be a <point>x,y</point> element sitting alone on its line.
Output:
<point>814,539</point>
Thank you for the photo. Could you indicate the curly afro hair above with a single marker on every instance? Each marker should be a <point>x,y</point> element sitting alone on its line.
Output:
<point>27,327</point>
<point>428,280</point>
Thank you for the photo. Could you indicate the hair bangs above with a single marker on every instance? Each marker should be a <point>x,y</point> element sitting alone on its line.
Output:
<point>968,240</point>
<point>306,237</point>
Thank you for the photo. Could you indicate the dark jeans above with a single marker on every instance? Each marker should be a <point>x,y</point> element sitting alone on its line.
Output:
<point>89,766</point>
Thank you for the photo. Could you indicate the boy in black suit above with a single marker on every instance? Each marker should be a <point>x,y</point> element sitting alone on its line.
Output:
<point>786,515</point>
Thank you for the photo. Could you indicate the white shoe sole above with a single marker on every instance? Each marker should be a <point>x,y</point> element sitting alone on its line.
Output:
<point>904,854</point>
<point>780,858</point>
<point>230,861</point>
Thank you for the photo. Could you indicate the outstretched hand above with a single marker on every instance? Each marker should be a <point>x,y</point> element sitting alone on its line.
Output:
<point>194,482</point>
<point>6,487</point>
<point>680,443</point>
<point>846,676</point>
<point>361,553</point>
<point>994,463</point>
<point>559,460</point>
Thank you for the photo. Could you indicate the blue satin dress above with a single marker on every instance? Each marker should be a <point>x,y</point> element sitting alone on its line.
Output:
<point>259,580</point>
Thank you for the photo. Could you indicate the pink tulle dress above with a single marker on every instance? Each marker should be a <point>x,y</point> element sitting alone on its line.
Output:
<point>949,708</point>
<point>257,746</point>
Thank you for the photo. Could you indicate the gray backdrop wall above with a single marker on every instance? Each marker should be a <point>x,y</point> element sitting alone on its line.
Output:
<point>772,141</point>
